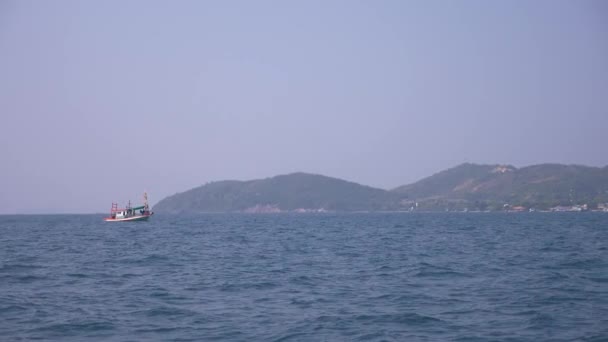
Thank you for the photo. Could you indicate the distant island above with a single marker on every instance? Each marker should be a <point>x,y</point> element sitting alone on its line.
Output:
<point>467,187</point>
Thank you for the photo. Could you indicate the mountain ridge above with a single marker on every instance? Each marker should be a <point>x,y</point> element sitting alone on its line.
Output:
<point>289,192</point>
<point>465,186</point>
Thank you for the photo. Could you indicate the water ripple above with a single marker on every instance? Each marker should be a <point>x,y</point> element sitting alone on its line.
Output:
<point>325,277</point>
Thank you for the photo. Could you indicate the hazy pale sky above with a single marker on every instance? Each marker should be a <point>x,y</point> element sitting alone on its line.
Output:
<point>101,100</point>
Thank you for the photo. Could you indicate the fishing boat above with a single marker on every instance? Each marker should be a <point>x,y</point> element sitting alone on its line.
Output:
<point>129,213</point>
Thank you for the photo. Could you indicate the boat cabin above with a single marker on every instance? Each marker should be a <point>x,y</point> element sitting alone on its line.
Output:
<point>130,213</point>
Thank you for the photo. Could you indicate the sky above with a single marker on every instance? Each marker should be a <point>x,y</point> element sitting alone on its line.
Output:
<point>102,100</point>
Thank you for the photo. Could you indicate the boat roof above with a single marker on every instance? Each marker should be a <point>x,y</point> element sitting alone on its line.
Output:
<point>125,209</point>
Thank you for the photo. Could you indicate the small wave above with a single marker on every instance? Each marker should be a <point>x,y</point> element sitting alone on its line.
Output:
<point>550,249</point>
<point>129,275</point>
<point>167,311</point>
<point>30,278</point>
<point>158,330</point>
<point>371,336</point>
<point>556,276</point>
<point>148,260</point>
<point>301,302</point>
<point>541,321</point>
<point>382,297</point>
<point>349,254</point>
<point>384,268</point>
<point>64,328</point>
<point>77,275</point>
<point>601,280</point>
<point>18,268</point>
<point>581,264</point>
<point>11,309</point>
<point>594,338</point>
<point>557,299</point>
<point>471,339</point>
<point>155,257</point>
<point>229,287</point>
<point>462,312</point>
<point>409,318</point>
<point>437,274</point>
<point>303,280</point>
<point>292,336</point>
<point>307,302</point>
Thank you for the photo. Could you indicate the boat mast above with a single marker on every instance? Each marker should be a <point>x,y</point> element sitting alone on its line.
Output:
<point>145,200</point>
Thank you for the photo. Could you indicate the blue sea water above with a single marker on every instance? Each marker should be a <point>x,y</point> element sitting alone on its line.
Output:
<point>309,277</point>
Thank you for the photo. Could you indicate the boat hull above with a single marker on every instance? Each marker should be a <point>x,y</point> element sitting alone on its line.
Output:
<point>127,219</point>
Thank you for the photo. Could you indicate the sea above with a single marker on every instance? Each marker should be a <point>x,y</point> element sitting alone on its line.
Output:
<point>306,277</point>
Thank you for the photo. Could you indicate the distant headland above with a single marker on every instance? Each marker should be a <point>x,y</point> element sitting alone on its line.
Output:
<point>467,187</point>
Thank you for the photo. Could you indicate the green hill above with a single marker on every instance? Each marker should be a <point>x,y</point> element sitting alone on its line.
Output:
<point>296,191</point>
<point>491,186</point>
<point>472,186</point>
